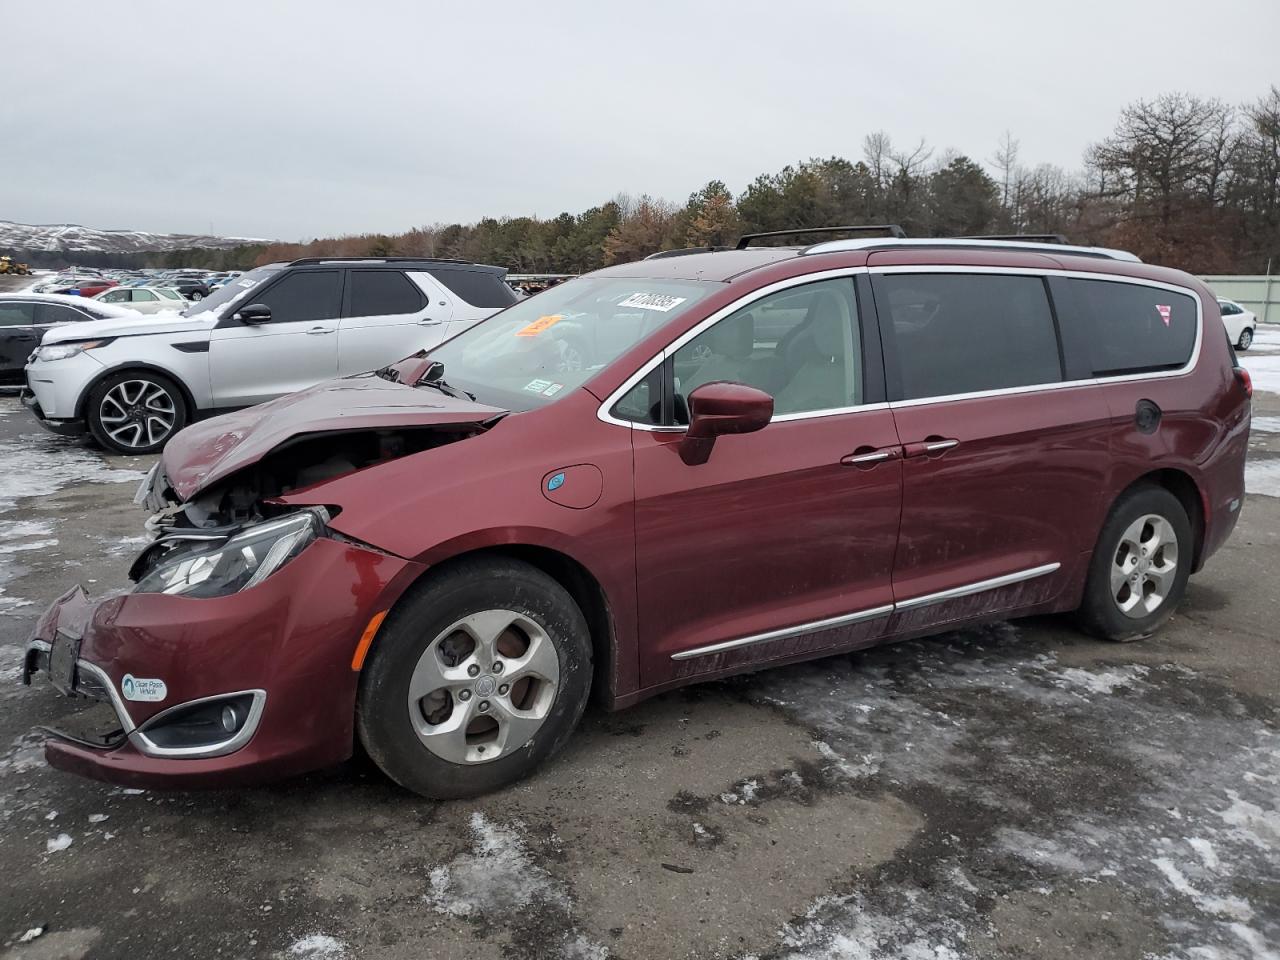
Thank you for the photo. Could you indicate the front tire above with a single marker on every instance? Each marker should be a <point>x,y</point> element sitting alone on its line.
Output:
<point>476,677</point>
<point>1140,566</point>
<point>1246,339</point>
<point>135,412</point>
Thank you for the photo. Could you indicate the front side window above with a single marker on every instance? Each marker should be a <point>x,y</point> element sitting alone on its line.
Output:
<point>57,313</point>
<point>530,353</point>
<point>959,333</point>
<point>1136,328</point>
<point>800,345</point>
<point>16,314</point>
<point>303,296</point>
<point>376,293</point>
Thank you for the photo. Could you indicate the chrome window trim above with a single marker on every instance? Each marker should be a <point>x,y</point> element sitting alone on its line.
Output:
<point>126,721</point>
<point>603,414</point>
<point>140,739</point>
<point>814,626</point>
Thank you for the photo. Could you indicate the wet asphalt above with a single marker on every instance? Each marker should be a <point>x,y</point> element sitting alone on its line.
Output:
<point>1013,791</point>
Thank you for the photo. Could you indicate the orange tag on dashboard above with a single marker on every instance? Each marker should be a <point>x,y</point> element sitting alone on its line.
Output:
<point>542,323</point>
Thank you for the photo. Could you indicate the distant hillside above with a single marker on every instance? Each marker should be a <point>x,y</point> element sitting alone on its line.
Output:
<point>72,238</point>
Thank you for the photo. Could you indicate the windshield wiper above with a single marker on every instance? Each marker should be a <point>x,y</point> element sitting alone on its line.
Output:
<point>433,376</point>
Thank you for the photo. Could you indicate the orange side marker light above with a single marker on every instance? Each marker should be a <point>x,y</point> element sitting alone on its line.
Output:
<point>366,638</point>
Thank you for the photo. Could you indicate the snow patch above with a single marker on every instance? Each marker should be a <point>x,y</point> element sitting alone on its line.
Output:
<point>1262,477</point>
<point>58,843</point>
<point>1105,682</point>
<point>494,878</point>
<point>317,945</point>
<point>37,466</point>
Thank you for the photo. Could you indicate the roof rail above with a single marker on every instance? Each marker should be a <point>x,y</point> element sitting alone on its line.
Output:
<point>683,252</point>
<point>294,263</point>
<point>892,229</point>
<point>977,243</point>
<point>1032,237</point>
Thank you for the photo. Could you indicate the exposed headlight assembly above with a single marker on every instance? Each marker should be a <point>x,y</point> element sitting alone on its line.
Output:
<point>65,351</point>
<point>190,566</point>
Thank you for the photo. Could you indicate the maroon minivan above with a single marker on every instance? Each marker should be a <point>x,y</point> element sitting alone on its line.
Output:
<point>659,473</point>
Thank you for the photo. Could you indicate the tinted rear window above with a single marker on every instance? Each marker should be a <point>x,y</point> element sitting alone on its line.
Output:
<point>375,293</point>
<point>964,333</point>
<point>1136,329</point>
<point>480,288</point>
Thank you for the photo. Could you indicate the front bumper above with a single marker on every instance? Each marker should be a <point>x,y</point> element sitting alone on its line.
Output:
<point>65,428</point>
<point>285,645</point>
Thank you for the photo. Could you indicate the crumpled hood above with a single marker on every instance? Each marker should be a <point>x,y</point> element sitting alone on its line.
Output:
<point>129,327</point>
<point>213,449</point>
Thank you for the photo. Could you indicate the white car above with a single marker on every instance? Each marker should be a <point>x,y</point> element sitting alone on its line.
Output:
<point>1241,324</point>
<point>145,299</point>
<point>271,331</point>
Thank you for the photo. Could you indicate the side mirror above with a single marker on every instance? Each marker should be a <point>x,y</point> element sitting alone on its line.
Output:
<point>722,408</point>
<point>254,313</point>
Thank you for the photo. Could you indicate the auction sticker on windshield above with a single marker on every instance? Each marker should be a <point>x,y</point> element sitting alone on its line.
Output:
<point>653,301</point>
<point>542,323</point>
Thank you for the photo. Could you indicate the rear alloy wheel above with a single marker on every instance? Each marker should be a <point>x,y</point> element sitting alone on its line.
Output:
<point>476,676</point>
<point>197,295</point>
<point>1246,339</point>
<point>135,412</point>
<point>1140,565</point>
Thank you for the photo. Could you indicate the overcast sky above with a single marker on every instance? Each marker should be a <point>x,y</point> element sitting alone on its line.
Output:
<point>291,120</point>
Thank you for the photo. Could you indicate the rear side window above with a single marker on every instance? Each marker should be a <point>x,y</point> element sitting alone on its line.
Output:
<point>375,293</point>
<point>1135,328</point>
<point>480,288</point>
<point>303,295</point>
<point>964,333</point>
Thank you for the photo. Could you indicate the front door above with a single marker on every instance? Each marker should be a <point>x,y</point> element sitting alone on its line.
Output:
<point>1003,462</point>
<point>782,543</point>
<point>298,347</point>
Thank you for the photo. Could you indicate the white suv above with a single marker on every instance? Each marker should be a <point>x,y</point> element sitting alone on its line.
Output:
<point>271,331</point>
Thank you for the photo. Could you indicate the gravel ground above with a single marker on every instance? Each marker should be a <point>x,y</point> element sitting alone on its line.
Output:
<point>1014,791</point>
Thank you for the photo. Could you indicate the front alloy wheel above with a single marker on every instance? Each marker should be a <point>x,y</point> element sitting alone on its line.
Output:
<point>135,413</point>
<point>483,687</point>
<point>1246,339</point>
<point>477,675</point>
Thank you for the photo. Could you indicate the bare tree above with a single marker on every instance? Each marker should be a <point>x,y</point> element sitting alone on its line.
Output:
<point>1005,161</point>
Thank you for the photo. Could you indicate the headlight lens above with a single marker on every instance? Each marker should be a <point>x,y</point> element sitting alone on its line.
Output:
<point>229,566</point>
<point>64,351</point>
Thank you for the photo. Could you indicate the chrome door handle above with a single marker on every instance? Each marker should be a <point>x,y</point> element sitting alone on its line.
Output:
<point>933,446</point>
<point>867,457</point>
<point>319,331</point>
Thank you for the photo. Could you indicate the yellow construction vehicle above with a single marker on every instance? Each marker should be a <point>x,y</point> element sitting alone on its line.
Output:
<point>7,265</point>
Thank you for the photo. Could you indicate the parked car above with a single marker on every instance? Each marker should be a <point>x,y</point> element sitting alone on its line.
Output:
<point>1241,324</point>
<point>26,317</point>
<point>84,286</point>
<point>446,558</point>
<point>274,330</point>
<point>145,299</point>
<point>190,287</point>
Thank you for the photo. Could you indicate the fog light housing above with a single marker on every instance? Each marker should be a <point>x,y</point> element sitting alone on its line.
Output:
<point>203,728</point>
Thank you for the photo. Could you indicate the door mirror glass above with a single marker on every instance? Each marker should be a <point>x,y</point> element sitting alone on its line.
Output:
<point>254,313</point>
<point>720,408</point>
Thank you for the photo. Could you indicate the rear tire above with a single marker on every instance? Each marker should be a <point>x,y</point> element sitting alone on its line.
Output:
<point>135,412</point>
<point>1140,566</point>
<point>1246,339</point>
<point>475,678</point>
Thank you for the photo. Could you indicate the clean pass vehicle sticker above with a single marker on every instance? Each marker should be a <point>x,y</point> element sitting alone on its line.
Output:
<point>653,301</point>
<point>147,691</point>
<point>537,386</point>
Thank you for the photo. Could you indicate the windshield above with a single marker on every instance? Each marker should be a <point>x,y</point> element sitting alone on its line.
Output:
<point>235,291</point>
<point>524,356</point>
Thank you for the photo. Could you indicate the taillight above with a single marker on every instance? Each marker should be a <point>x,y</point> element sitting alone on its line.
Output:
<point>1246,381</point>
